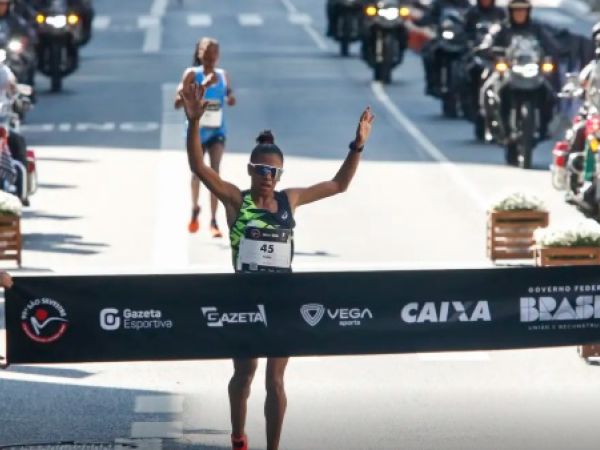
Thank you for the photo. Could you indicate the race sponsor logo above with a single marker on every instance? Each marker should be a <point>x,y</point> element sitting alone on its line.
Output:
<point>44,320</point>
<point>313,313</point>
<point>112,319</point>
<point>559,308</point>
<point>441,312</point>
<point>217,319</point>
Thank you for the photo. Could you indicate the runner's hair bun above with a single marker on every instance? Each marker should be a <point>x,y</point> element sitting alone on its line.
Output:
<point>265,137</point>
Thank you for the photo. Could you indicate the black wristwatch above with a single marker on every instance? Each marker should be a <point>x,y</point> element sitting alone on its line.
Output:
<point>354,148</point>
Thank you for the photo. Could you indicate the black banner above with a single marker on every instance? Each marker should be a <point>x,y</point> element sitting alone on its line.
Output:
<point>53,319</point>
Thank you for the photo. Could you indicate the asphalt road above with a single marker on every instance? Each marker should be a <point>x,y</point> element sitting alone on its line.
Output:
<point>114,198</point>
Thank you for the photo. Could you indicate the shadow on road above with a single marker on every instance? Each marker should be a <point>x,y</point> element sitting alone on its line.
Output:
<point>60,243</point>
<point>29,214</point>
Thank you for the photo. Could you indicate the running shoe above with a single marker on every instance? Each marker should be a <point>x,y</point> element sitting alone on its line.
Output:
<point>194,224</point>
<point>239,443</point>
<point>214,229</point>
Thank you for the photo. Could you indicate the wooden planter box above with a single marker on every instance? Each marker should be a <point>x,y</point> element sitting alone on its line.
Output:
<point>10,238</point>
<point>566,256</point>
<point>510,233</point>
<point>571,256</point>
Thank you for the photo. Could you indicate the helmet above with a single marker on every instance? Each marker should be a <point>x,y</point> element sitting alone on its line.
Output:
<point>519,4</point>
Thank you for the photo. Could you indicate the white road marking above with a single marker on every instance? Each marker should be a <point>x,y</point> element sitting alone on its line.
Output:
<point>159,7</point>
<point>306,22</point>
<point>164,404</point>
<point>291,8</point>
<point>153,26</point>
<point>300,19</point>
<point>453,171</point>
<point>171,430</point>
<point>199,20</point>
<point>101,22</point>
<point>102,127</point>
<point>454,357</point>
<point>146,22</point>
<point>250,20</point>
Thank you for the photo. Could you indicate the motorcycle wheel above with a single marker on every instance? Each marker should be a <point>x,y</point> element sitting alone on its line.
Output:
<point>526,138</point>
<point>449,106</point>
<point>344,47</point>
<point>479,127</point>
<point>510,154</point>
<point>55,75</point>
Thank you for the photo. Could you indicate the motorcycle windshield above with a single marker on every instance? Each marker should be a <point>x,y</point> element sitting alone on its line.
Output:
<point>524,50</point>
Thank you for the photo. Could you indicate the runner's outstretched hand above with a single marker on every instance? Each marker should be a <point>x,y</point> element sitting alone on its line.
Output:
<point>192,95</point>
<point>363,130</point>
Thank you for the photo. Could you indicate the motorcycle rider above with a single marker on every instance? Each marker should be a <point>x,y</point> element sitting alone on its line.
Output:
<point>483,11</point>
<point>333,11</point>
<point>520,24</point>
<point>15,25</point>
<point>430,63</point>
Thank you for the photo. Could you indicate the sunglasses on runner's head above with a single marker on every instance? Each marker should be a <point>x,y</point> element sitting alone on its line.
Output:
<point>264,169</point>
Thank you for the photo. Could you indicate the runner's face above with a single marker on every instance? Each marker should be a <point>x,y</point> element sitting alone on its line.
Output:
<point>485,3</point>
<point>209,55</point>
<point>3,8</point>
<point>265,185</point>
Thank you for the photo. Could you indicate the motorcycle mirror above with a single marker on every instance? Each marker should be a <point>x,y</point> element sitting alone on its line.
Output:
<point>24,89</point>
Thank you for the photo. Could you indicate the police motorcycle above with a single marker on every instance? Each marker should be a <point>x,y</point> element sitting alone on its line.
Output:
<point>23,180</point>
<point>385,37</point>
<point>348,23</point>
<point>451,44</point>
<point>470,73</point>
<point>522,74</point>
<point>19,54</point>
<point>574,167</point>
<point>59,30</point>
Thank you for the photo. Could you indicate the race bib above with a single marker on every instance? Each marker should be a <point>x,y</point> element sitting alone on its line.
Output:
<point>265,250</point>
<point>213,115</point>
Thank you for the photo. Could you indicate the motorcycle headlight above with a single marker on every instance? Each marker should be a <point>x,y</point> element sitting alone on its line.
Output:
<point>548,67</point>
<point>15,45</point>
<point>501,66</point>
<point>404,12</point>
<point>447,34</point>
<point>40,18</point>
<point>57,21</point>
<point>527,70</point>
<point>371,11</point>
<point>389,13</point>
<point>73,19</point>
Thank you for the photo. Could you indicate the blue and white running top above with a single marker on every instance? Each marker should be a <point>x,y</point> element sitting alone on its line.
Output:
<point>212,123</point>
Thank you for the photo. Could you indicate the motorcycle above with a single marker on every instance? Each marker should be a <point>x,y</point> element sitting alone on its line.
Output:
<point>19,55</point>
<point>385,37</point>
<point>470,70</point>
<point>522,81</point>
<point>25,184</point>
<point>450,46</point>
<point>59,30</point>
<point>348,25</point>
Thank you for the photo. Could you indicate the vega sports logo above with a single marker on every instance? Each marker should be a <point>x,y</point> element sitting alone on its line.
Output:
<point>313,313</point>
<point>44,320</point>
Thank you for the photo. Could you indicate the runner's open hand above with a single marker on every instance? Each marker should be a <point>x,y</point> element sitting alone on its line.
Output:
<point>192,95</point>
<point>363,130</point>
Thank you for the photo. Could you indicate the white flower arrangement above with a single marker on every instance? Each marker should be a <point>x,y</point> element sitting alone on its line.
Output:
<point>582,234</point>
<point>518,201</point>
<point>10,204</point>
